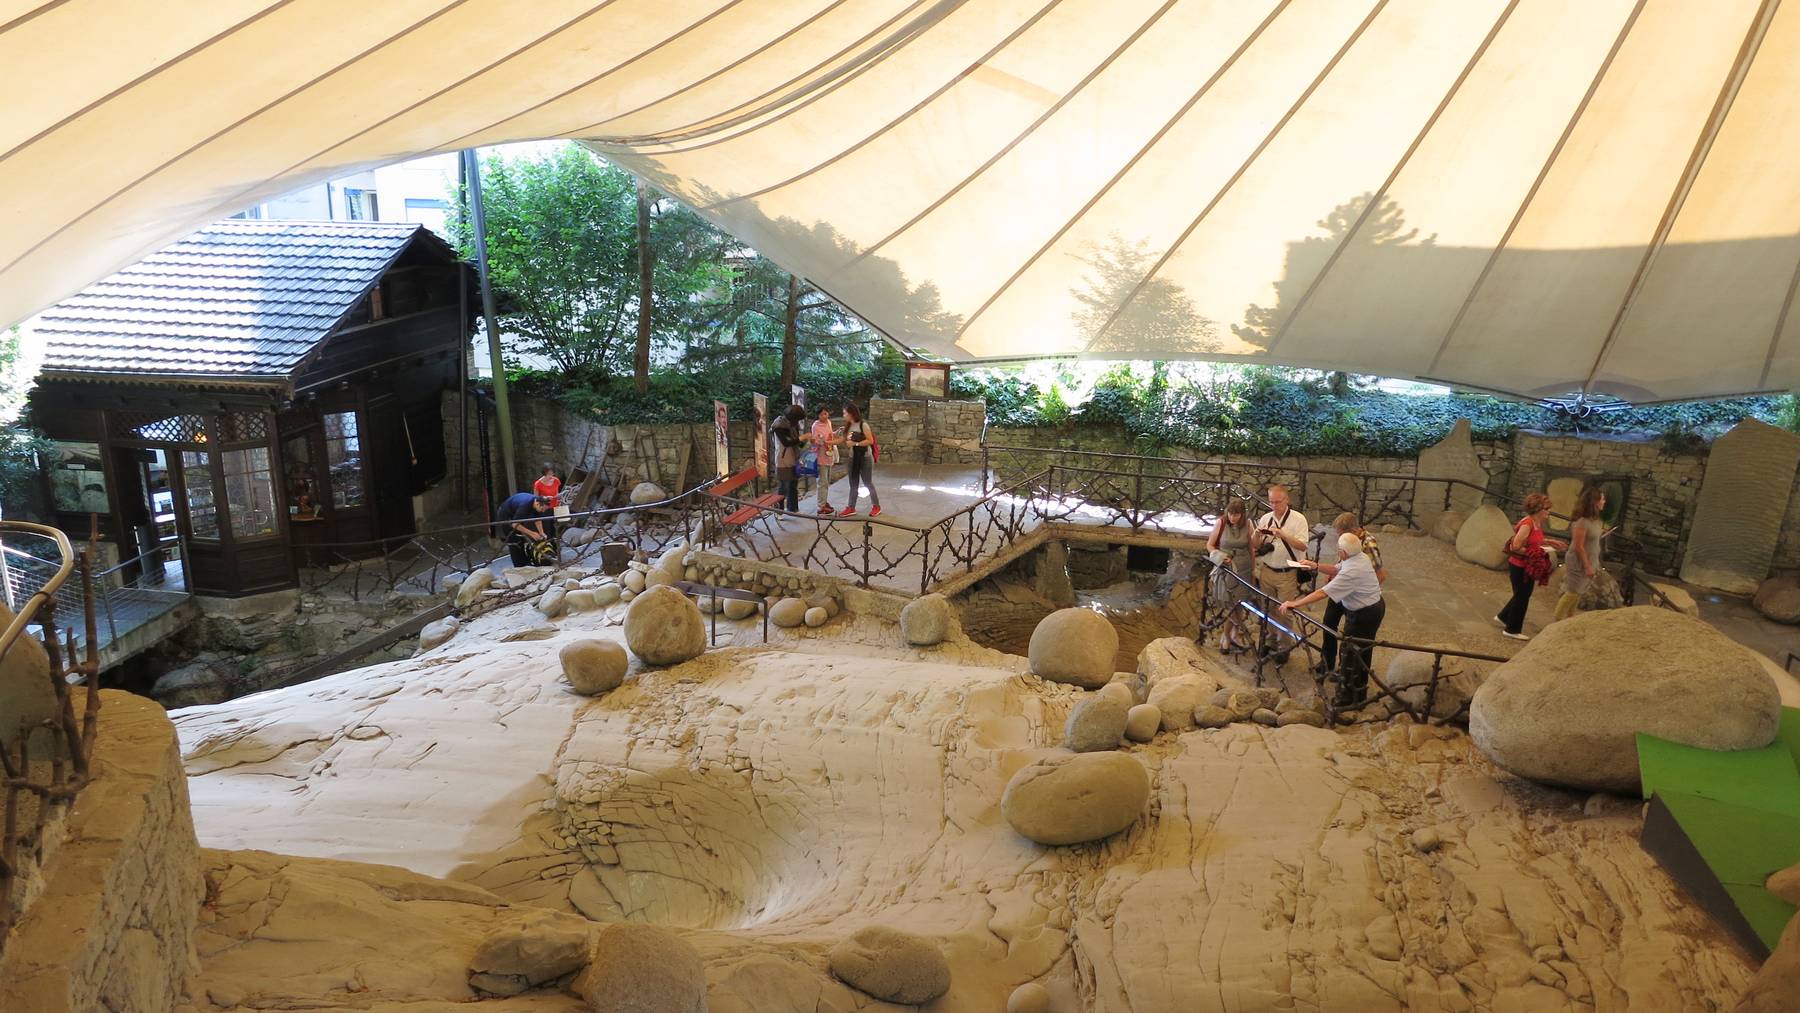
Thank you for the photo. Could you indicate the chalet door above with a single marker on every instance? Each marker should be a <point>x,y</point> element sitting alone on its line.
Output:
<point>197,517</point>
<point>391,471</point>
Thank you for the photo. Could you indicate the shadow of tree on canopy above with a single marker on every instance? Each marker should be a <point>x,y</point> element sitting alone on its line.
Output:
<point>1125,314</point>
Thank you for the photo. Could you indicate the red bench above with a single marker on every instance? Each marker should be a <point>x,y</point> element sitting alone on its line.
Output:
<point>745,513</point>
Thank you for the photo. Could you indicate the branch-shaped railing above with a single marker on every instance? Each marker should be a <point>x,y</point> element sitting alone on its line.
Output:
<point>1281,633</point>
<point>45,762</point>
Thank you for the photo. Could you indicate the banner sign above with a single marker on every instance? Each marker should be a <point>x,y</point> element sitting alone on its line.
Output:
<point>760,437</point>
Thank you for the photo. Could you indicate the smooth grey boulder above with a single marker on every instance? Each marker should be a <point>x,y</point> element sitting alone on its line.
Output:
<point>1074,646</point>
<point>593,666</point>
<point>1097,722</point>
<point>891,965</point>
<point>580,600</point>
<point>553,602</point>
<point>816,617</point>
<point>1482,538</point>
<point>788,613</point>
<point>926,620</point>
<point>1076,798</point>
<point>439,632</point>
<point>664,628</point>
<point>647,492</point>
<point>737,608</point>
<point>1177,697</point>
<point>1142,722</point>
<point>1448,525</point>
<point>473,586</point>
<point>1567,708</point>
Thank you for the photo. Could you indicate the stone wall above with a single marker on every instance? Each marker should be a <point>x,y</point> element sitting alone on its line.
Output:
<point>112,928</point>
<point>545,431</point>
<point>1321,497</point>
<point>1660,501</point>
<point>923,431</point>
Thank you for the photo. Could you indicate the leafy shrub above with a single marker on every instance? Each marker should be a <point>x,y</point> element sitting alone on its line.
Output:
<point>1257,410</point>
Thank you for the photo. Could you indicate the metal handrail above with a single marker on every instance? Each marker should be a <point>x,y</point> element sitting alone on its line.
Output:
<point>1302,470</point>
<point>1268,620</point>
<point>27,614</point>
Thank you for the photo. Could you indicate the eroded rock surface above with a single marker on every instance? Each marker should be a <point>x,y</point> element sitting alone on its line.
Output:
<point>826,784</point>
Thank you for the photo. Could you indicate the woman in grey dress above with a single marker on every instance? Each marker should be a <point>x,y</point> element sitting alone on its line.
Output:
<point>1586,537</point>
<point>1233,545</point>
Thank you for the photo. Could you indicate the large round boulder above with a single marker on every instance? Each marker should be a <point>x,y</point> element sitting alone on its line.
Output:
<point>637,968</point>
<point>1779,599</point>
<point>1482,538</point>
<point>1076,798</point>
<point>891,965</point>
<point>647,492</point>
<point>663,628</point>
<point>1097,722</point>
<point>926,620</point>
<point>1409,676</point>
<point>1567,708</point>
<point>788,612</point>
<point>593,666</point>
<point>1448,525</point>
<point>1075,646</point>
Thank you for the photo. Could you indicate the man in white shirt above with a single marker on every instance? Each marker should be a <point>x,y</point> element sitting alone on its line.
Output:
<point>1286,528</point>
<point>1356,588</point>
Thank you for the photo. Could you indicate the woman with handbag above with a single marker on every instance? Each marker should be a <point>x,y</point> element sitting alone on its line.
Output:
<point>824,446</point>
<point>1527,563</point>
<point>1586,534</point>
<point>788,439</point>
<point>1232,546</point>
<point>864,451</point>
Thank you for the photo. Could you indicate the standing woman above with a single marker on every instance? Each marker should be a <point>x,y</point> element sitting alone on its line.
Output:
<point>862,458</point>
<point>1527,563</point>
<point>549,487</point>
<point>1585,536</point>
<point>787,456</point>
<point>1235,540</point>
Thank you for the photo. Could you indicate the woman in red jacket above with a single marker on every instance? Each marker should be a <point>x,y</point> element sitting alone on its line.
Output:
<point>1527,563</point>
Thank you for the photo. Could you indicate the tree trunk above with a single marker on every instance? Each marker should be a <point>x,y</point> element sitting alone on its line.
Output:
<point>646,300</point>
<point>790,335</point>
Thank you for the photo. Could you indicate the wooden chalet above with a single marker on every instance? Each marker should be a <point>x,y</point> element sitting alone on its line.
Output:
<point>255,392</point>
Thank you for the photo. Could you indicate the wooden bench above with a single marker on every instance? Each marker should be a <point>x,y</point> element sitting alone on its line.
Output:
<point>748,512</point>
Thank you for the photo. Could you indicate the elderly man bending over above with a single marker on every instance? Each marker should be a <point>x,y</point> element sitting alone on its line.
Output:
<point>1357,590</point>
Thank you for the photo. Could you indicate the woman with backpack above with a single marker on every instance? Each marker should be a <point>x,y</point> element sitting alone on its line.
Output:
<point>864,452</point>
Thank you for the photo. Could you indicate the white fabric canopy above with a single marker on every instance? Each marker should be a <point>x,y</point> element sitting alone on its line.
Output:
<point>1528,196</point>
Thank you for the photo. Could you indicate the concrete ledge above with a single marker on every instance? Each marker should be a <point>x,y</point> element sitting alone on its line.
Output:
<point>113,926</point>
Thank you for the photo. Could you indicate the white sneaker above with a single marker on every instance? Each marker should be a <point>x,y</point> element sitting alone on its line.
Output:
<point>1499,622</point>
<point>1516,636</point>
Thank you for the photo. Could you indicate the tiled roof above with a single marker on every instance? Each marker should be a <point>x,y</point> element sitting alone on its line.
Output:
<point>241,300</point>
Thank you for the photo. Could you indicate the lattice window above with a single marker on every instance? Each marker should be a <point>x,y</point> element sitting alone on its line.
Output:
<point>243,427</point>
<point>159,426</point>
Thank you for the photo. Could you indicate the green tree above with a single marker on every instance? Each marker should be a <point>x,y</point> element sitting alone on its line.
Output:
<point>19,443</point>
<point>563,252</point>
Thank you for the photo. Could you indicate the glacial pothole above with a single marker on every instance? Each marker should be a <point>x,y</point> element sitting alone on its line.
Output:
<point>716,848</point>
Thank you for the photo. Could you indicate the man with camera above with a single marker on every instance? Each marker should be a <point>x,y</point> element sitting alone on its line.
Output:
<point>1284,532</point>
